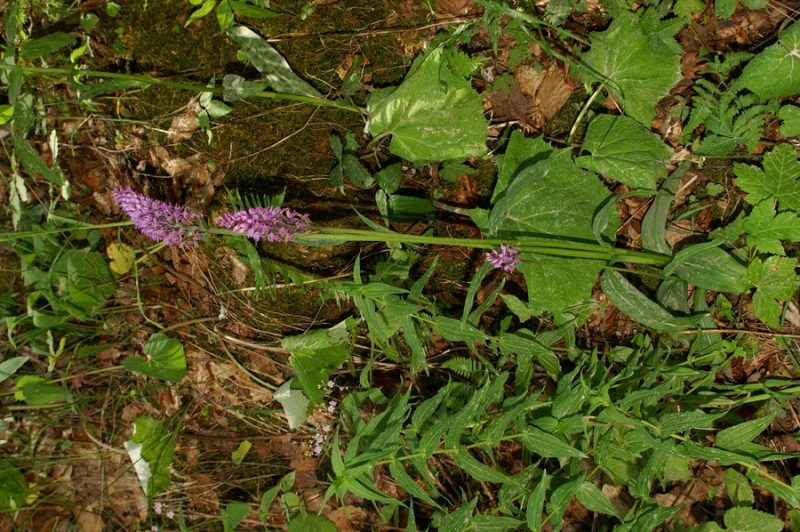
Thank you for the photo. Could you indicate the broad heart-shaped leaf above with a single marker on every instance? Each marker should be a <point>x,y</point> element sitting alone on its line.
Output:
<point>776,282</point>
<point>165,359</point>
<point>624,150</point>
<point>553,198</point>
<point>315,355</point>
<point>434,114</point>
<point>775,72</point>
<point>638,67</point>
<point>277,72</point>
<point>294,403</point>
<point>779,180</point>
<point>521,152</point>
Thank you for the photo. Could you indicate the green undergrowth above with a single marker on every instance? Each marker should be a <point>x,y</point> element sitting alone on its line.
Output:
<point>636,368</point>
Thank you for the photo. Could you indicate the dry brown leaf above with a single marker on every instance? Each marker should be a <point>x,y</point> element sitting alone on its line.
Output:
<point>89,522</point>
<point>349,518</point>
<point>185,124</point>
<point>202,493</point>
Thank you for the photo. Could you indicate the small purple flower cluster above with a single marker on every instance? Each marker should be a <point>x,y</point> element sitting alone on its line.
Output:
<point>274,224</point>
<point>159,220</point>
<point>506,259</point>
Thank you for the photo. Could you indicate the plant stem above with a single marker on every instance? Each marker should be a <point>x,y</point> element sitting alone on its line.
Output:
<point>583,112</point>
<point>180,85</point>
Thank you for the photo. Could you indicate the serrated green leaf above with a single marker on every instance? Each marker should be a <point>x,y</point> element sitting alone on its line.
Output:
<point>778,180</point>
<point>458,520</point>
<point>775,281</point>
<point>553,197</point>
<point>535,503</point>
<point>624,150</point>
<point>165,359</point>
<point>750,520</point>
<point>638,68</point>
<point>629,300</point>
<point>276,71</point>
<point>404,480</point>
<point>765,228</point>
<point>678,422</point>
<point>775,72</point>
<point>724,8</point>
<point>434,114</point>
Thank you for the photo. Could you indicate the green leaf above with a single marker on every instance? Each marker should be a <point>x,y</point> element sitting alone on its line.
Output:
<point>315,355</point>
<point>10,366</point>
<point>6,113</point>
<point>84,283</point>
<point>233,514</point>
<point>35,48</point>
<point>306,522</point>
<point>776,282</point>
<point>434,114</point>
<point>13,488</point>
<point>639,67</point>
<point>775,72</point>
<point>34,391</point>
<point>248,10</point>
<point>236,87</point>
<point>404,480</point>
<point>655,220</point>
<point>707,266</point>
<point>546,445</point>
<point>553,197</point>
<point>458,520</point>
<point>750,520</point>
<point>151,449</point>
<point>734,438</point>
<point>765,228</point>
<point>624,150</point>
<point>389,178</point>
<point>687,8</point>
<point>224,15</point>
<point>165,359</point>
<point>779,179</point>
<point>635,304</point>
<point>277,72</point>
<point>790,114</point>
<point>294,403</point>
<point>477,469</point>
<point>521,152</point>
<point>595,500</point>
<point>200,12</point>
<point>238,455</point>
<point>724,8</point>
<point>535,503</point>
<point>285,484</point>
<point>738,487</point>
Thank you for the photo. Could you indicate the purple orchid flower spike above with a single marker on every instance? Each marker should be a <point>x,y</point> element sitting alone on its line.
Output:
<point>506,258</point>
<point>158,220</point>
<point>273,224</point>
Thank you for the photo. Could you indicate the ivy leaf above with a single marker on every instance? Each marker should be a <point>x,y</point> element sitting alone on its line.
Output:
<point>165,359</point>
<point>764,228</point>
<point>775,72</point>
<point>778,180</point>
<point>638,67</point>
<point>625,151</point>
<point>776,282</point>
<point>434,115</point>
<point>553,197</point>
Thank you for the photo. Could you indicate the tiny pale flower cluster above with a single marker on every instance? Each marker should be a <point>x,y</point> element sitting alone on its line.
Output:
<point>324,431</point>
<point>159,220</point>
<point>273,224</point>
<point>506,258</point>
<point>158,508</point>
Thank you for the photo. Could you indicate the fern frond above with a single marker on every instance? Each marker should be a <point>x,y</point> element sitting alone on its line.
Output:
<point>464,367</point>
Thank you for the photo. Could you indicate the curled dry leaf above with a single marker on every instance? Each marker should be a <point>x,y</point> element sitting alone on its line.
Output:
<point>185,124</point>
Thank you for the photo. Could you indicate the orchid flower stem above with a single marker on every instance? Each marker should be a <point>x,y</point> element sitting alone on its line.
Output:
<point>180,85</point>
